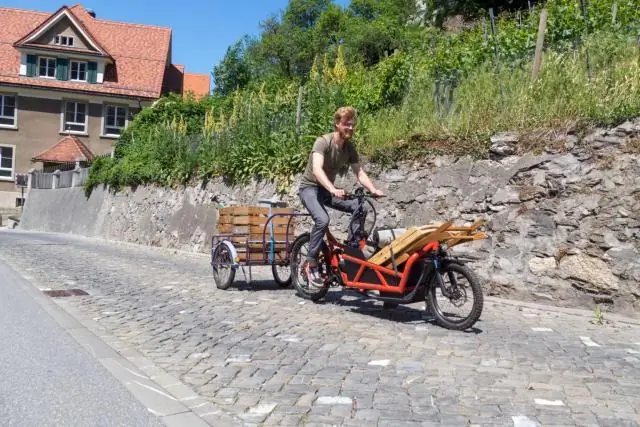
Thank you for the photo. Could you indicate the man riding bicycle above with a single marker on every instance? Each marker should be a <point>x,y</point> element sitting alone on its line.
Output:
<point>330,153</point>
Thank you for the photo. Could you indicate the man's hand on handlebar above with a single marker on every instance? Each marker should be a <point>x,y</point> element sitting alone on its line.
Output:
<point>340,194</point>
<point>361,192</point>
<point>377,193</point>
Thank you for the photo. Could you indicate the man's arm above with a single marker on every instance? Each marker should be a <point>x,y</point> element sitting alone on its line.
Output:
<point>318,172</point>
<point>363,179</point>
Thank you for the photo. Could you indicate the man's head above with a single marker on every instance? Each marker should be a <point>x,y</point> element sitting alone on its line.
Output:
<point>344,120</point>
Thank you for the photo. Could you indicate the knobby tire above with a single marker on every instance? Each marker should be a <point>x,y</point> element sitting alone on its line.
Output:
<point>476,289</point>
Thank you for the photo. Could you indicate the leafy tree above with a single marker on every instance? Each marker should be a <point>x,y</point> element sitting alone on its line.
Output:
<point>233,72</point>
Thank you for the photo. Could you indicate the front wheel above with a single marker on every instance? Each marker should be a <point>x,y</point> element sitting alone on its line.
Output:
<point>223,269</point>
<point>298,260</point>
<point>452,288</point>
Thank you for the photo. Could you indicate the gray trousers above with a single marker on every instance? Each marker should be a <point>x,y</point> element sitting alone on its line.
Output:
<point>315,199</point>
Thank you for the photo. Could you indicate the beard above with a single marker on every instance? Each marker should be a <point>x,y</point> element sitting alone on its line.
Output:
<point>345,135</point>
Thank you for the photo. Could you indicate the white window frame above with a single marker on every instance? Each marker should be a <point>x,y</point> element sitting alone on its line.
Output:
<point>63,118</point>
<point>68,40</point>
<point>13,163</point>
<point>103,126</point>
<point>15,111</point>
<point>55,66</point>
<point>86,70</point>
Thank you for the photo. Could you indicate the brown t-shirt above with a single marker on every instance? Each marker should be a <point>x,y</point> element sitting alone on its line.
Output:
<point>334,159</point>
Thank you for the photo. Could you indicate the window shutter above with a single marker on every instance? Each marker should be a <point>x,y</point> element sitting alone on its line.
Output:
<point>32,65</point>
<point>92,72</point>
<point>62,69</point>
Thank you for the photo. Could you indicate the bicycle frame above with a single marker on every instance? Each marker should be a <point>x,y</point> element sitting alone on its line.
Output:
<point>364,275</point>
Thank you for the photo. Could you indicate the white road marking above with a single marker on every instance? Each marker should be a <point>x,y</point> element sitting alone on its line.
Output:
<point>263,408</point>
<point>384,362</point>
<point>542,329</point>
<point>200,405</point>
<point>522,421</point>
<point>155,390</point>
<point>199,355</point>
<point>545,402</point>
<point>589,342</point>
<point>334,400</point>
<point>134,373</point>
<point>238,359</point>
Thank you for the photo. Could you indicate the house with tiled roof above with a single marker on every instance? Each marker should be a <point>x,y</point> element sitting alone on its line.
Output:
<point>70,83</point>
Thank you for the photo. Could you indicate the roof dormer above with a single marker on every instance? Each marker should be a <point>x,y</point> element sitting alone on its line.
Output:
<point>62,31</point>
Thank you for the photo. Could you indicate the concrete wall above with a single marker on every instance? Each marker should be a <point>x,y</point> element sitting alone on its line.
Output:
<point>149,216</point>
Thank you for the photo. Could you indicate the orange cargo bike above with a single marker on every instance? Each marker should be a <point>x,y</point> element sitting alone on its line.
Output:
<point>250,236</point>
<point>407,266</point>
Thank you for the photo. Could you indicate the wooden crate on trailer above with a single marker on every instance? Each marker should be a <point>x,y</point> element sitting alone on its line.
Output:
<point>251,232</point>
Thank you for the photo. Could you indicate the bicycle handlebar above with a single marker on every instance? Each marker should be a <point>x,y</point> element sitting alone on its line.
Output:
<point>361,192</point>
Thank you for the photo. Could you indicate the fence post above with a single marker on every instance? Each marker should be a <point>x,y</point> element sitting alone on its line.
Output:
<point>586,34</point>
<point>542,27</point>
<point>299,110</point>
<point>56,179</point>
<point>32,171</point>
<point>76,175</point>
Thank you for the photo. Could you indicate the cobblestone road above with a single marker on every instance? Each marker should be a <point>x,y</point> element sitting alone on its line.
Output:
<point>268,357</point>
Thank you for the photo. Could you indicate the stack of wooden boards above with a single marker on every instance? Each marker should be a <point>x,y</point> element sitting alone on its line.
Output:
<point>415,238</point>
<point>246,227</point>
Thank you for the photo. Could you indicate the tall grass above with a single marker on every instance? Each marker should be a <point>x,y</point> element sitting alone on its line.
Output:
<point>258,137</point>
<point>488,101</point>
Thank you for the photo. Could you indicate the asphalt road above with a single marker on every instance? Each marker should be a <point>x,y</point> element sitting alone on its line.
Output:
<point>48,379</point>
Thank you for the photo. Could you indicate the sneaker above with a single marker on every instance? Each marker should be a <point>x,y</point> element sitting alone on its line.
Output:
<point>313,276</point>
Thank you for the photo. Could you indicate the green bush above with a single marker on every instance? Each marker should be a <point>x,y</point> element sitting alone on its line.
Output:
<point>253,133</point>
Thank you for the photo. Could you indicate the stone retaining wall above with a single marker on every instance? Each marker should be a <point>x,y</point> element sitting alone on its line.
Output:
<point>563,224</point>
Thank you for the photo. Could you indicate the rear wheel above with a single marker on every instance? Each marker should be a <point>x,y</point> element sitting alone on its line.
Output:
<point>462,294</point>
<point>223,270</point>
<point>298,260</point>
<point>281,274</point>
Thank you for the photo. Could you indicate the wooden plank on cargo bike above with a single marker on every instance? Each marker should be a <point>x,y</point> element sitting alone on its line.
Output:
<point>399,242</point>
<point>431,237</point>
<point>406,242</point>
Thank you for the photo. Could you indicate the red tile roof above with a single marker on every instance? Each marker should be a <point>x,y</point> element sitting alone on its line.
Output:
<point>199,84</point>
<point>68,150</point>
<point>141,52</point>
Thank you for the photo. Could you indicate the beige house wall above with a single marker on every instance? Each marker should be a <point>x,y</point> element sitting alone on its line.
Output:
<point>40,126</point>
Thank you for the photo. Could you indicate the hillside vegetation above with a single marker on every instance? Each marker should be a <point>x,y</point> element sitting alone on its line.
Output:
<point>420,87</point>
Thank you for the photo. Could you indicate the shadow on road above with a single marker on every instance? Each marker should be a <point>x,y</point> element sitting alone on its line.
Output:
<point>355,302</point>
<point>259,285</point>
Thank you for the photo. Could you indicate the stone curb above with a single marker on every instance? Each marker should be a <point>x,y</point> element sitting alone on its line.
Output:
<point>174,403</point>
<point>564,310</point>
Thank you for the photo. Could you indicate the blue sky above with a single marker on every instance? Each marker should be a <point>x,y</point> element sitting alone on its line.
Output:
<point>202,30</point>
